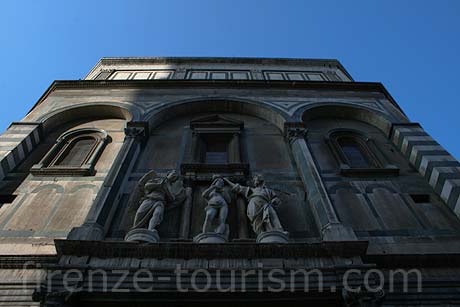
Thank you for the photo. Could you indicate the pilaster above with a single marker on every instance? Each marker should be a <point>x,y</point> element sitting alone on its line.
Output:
<point>98,220</point>
<point>330,227</point>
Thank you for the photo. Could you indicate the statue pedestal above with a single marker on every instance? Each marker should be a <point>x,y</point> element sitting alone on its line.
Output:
<point>273,237</point>
<point>210,237</point>
<point>142,235</point>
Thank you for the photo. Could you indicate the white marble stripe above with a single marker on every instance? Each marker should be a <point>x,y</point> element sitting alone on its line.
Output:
<point>437,171</point>
<point>21,153</point>
<point>29,144</point>
<point>409,139</point>
<point>398,131</point>
<point>426,159</point>
<point>10,160</point>
<point>36,136</point>
<point>449,184</point>
<point>417,148</point>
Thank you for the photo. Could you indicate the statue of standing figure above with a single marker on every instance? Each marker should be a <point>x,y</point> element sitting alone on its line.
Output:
<point>217,209</point>
<point>261,212</point>
<point>156,193</point>
<point>215,227</point>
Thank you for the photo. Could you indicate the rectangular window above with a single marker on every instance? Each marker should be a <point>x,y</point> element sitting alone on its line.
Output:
<point>216,149</point>
<point>420,198</point>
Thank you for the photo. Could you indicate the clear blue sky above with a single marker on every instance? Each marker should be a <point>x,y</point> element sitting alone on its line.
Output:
<point>412,47</point>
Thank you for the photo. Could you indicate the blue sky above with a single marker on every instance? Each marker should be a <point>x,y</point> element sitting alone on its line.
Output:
<point>412,47</point>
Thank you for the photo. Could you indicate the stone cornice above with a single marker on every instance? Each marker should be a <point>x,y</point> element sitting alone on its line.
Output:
<point>232,84</point>
<point>187,250</point>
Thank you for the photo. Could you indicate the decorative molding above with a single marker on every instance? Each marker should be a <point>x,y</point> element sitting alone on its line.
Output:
<point>371,87</point>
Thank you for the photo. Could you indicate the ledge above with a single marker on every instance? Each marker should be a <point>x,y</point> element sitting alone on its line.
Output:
<point>36,170</point>
<point>369,172</point>
<point>174,83</point>
<point>206,170</point>
<point>107,249</point>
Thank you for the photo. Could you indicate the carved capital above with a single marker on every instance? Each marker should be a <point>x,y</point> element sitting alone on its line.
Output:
<point>137,130</point>
<point>294,130</point>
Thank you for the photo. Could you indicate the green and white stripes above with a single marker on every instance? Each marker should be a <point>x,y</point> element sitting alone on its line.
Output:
<point>433,162</point>
<point>16,143</point>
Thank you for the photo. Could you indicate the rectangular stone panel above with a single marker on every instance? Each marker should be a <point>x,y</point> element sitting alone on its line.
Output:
<point>315,77</point>
<point>198,75</point>
<point>121,75</point>
<point>275,76</point>
<point>218,75</point>
<point>141,75</point>
<point>162,75</point>
<point>239,75</point>
<point>295,76</point>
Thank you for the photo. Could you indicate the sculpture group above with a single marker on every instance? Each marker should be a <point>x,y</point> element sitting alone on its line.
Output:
<point>158,193</point>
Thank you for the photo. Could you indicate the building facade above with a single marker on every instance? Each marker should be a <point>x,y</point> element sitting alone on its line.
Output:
<point>203,181</point>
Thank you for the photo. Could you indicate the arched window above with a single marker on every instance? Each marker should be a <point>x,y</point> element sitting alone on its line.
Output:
<point>75,153</point>
<point>357,154</point>
<point>353,152</point>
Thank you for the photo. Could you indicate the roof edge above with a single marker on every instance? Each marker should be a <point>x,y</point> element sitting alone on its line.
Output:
<point>227,60</point>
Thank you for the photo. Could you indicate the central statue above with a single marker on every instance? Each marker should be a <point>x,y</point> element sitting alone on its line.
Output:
<point>217,209</point>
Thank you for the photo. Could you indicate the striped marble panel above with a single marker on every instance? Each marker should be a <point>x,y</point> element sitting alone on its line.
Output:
<point>441,170</point>
<point>16,143</point>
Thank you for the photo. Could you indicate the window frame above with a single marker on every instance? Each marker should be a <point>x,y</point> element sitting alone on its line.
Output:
<point>215,125</point>
<point>48,165</point>
<point>377,162</point>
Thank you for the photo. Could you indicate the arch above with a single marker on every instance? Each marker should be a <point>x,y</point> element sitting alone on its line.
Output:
<point>212,105</point>
<point>88,111</point>
<point>375,118</point>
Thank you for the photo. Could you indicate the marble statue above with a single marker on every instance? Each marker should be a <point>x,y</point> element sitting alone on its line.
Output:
<point>217,209</point>
<point>261,212</point>
<point>155,193</point>
<point>215,227</point>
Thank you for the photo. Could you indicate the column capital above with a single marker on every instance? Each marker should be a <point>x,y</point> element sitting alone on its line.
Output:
<point>137,130</point>
<point>294,130</point>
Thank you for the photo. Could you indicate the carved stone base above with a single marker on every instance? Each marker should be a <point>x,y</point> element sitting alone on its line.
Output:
<point>273,237</point>
<point>210,237</point>
<point>142,235</point>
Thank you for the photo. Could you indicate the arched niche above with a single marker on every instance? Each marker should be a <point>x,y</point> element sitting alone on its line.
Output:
<point>263,148</point>
<point>221,105</point>
<point>87,112</point>
<point>375,118</point>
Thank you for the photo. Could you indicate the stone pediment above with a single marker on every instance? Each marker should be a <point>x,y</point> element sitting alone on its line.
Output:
<point>216,121</point>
